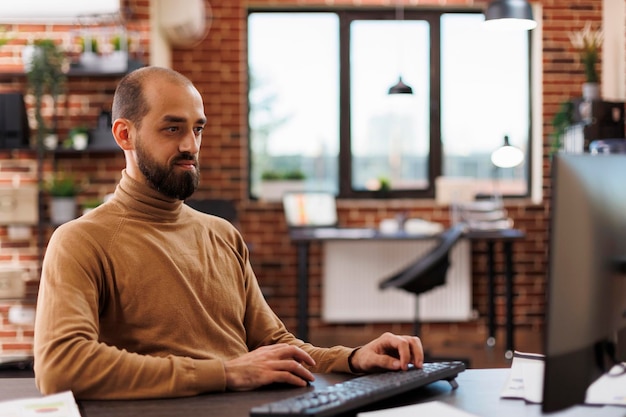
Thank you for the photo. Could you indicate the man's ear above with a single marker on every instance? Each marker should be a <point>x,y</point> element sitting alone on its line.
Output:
<point>122,133</point>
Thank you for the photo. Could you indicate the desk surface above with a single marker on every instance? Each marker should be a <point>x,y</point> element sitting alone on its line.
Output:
<point>333,233</point>
<point>478,393</point>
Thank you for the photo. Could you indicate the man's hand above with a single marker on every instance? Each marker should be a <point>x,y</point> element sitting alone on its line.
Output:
<point>268,364</point>
<point>388,352</point>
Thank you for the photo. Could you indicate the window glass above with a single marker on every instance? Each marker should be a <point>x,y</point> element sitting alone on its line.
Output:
<point>479,85</point>
<point>293,63</point>
<point>484,96</point>
<point>389,133</point>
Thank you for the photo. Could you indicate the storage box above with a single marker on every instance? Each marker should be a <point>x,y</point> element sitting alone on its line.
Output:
<point>12,282</point>
<point>19,205</point>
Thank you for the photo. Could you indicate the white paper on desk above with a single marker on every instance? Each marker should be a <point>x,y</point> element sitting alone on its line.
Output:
<point>56,405</point>
<point>430,409</point>
<point>526,378</point>
<point>609,389</point>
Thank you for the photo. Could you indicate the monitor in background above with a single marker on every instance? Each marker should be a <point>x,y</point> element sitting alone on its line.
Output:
<point>310,209</point>
<point>14,130</point>
<point>586,294</point>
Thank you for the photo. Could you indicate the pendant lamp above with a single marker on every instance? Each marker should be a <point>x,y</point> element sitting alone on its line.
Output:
<point>510,15</point>
<point>400,87</point>
<point>507,156</point>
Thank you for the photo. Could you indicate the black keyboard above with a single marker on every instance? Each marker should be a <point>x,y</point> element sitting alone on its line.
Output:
<point>358,392</point>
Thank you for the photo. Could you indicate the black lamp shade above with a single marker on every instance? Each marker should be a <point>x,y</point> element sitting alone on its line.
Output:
<point>400,88</point>
<point>511,12</point>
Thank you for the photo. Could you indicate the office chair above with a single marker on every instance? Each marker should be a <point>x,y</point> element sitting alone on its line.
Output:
<point>222,208</point>
<point>428,272</point>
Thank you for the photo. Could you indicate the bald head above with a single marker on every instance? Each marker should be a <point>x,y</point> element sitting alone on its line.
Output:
<point>130,103</point>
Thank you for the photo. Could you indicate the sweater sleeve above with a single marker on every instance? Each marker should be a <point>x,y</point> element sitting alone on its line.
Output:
<point>68,353</point>
<point>264,327</point>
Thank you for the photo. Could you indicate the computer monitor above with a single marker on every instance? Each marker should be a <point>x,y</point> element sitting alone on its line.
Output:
<point>310,209</point>
<point>586,294</point>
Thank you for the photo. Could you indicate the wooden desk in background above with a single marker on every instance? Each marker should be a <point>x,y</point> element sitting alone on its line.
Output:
<point>478,394</point>
<point>303,238</point>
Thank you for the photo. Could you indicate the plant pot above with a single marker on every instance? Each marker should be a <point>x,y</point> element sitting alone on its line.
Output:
<point>80,141</point>
<point>116,61</point>
<point>28,53</point>
<point>51,141</point>
<point>62,209</point>
<point>591,91</point>
<point>275,189</point>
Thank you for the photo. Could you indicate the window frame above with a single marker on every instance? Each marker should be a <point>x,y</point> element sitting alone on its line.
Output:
<point>435,157</point>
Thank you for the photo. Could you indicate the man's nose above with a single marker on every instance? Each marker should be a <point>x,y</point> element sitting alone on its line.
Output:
<point>190,143</point>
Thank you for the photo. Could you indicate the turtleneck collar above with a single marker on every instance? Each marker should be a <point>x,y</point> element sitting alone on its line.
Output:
<point>145,201</point>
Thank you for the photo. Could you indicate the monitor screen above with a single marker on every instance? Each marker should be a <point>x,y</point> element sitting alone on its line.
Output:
<point>310,209</point>
<point>586,294</point>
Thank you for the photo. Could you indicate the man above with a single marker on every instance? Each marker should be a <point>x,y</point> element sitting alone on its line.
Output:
<point>145,297</point>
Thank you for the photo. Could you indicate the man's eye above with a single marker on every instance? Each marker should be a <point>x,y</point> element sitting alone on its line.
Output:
<point>199,129</point>
<point>172,129</point>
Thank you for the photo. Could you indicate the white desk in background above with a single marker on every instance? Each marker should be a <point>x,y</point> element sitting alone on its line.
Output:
<point>303,237</point>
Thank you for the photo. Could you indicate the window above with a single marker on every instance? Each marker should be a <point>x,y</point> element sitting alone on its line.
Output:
<point>319,102</point>
<point>389,139</point>
<point>294,97</point>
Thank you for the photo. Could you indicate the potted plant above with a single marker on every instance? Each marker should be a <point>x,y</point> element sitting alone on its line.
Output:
<point>4,39</point>
<point>63,189</point>
<point>89,58</point>
<point>78,138</point>
<point>588,42</point>
<point>276,183</point>
<point>117,60</point>
<point>91,204</point>
<point>45,75</point>
<point>384,184</point>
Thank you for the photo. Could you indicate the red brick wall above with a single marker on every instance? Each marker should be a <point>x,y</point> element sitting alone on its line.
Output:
<point>218,67</point>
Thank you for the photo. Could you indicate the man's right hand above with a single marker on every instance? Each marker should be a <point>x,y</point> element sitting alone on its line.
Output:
<point>279,363</point>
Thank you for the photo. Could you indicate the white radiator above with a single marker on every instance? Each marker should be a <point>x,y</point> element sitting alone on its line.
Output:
<point>352,271</point>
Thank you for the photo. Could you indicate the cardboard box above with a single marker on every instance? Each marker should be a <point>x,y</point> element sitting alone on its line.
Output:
<point>19,205</point>
<point>12,282</point>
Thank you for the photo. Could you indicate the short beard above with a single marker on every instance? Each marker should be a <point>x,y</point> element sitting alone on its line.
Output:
<point>164,179</point>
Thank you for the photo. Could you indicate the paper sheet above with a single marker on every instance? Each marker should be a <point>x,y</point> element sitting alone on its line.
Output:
<point>56,405</point>
<point>610,388</point>
<point>430,409</point>
<point>526,378</point>
<point>526,382</point>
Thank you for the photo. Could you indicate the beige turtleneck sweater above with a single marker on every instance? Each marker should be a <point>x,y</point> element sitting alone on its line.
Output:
<point>145,297</point>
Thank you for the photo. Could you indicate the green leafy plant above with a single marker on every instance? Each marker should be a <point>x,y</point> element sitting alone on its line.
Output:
<point>117,43</point>
<point>384,184</point>
<point>46,76</point>
<point>272,175</point>
<point>295,174</point>
<point>562,120</point>
<point>90,46</point>
<point>4,39</point>
<point>588,42</point>
<point>91,203</point>
<point>62,184</point>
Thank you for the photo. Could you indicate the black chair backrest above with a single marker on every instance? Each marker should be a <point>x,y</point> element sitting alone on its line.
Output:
<point>222,208</point>
<point>430,269</point>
